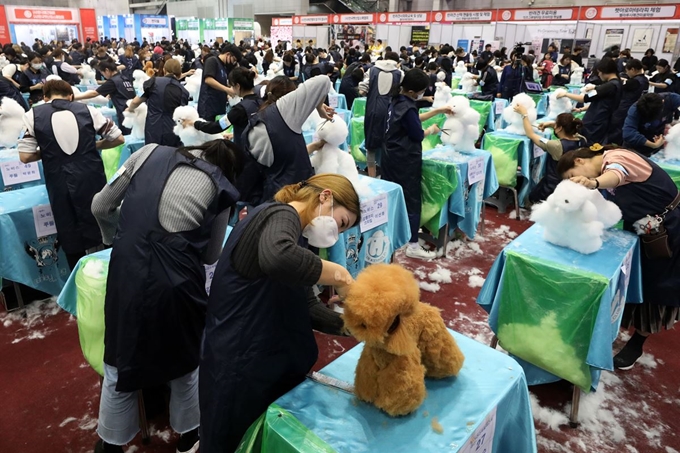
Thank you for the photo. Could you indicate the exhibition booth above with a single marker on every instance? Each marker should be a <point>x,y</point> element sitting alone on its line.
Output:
<point>25,24</point>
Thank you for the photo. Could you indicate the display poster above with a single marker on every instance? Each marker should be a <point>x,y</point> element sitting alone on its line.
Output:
<point>612,37</point>
<point>566,43</point>
<point>642,39</point>
<point>420,34</point>
<point>464,44</point>
<point>669,40</point>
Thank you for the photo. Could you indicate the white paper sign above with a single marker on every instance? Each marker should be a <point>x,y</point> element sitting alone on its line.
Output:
<point>209,274</point>
<point>16,172</point>
<point>481,440</point>
<point>43,220</point>
<point>538,152</point>
<point>333,101</point>
<point>499,107</point>
<point>475,170</point>
<point>374,212</point>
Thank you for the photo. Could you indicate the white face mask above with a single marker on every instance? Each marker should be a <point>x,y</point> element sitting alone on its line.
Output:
<point>420,96</point>
<point>37,66</point>
<point>322,231</point>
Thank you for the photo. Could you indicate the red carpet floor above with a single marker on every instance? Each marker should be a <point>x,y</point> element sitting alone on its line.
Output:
<point>49,396</point>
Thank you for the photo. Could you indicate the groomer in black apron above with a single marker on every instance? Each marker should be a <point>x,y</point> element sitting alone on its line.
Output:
<point>162,95</point>
<point>242,80</point>
<point>33,79</point>
<point>117,86</point>
<point>74,171</point>
<point>635,86</point>
<point>9,90</point>
<point>212,100</point>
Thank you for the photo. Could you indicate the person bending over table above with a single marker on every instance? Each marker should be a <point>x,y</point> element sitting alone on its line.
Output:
<point>165,212</point>
<point>603,100</point>
<point>74,171</point>
<point>639,188</point>
<point>402,160</point>
<point>632,90</point>
<point>566,129</point>
<point>258,341</point>
<point>646,122</point>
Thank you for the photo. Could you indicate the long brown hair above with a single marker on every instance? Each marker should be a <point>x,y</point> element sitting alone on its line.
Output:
<point>308,192</point>
<point>277,87</point>
<point>568,160</point>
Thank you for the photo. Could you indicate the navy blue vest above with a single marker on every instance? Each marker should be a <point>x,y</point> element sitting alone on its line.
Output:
<point>124,92</point>
<point>72,79</point>
<point>376,109</point>
<point>597,119</point>
<point>558,80</point>
<point>7,89</point>
<point>35,78</point>
<point>72,180</point>
<point>258,345</point>
<point>546,186</point>
<point>251,104</point>
<point>159,122</point>
<point>155,295</point>
<point>212,102</point>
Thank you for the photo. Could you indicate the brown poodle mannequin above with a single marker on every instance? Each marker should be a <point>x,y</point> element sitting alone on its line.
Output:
<point>405,340</point>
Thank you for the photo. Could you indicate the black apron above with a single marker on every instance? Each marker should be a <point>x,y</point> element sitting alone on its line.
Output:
<point>155,292</point>
<point>546,186</point>
<point>628,98</point>
<point>8,90</point>
<point>660,278</point>
<point>124,92</point>
<point>258,346</point>
<point>291,161</point>
<point>34,78</point>
<point>376,109</point>
<point>402,159</point>
<point>251,104</point>
<point>72,79</point>
<point>72,180</point>
<point>651,129</point>
<point>212,102</point>
<point>597,119</point>
<point>159,122</point>
<point>558,80</point>
<point>489,77</point>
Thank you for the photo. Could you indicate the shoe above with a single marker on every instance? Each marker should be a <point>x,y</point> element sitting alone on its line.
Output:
<point>188,442</point>
<point>103,447</point>
<point>420,253</point>
<point>627,357</point>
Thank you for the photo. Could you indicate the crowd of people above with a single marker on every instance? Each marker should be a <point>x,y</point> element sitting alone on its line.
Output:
<point>166,211</point>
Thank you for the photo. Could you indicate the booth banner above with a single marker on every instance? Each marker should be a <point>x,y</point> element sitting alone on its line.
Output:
<point>19,14</point>
<point>311,20</point>
<point>367,18</point>
<point>88,21</point>
<point>154,21</point>
<point>420,34</point>
<point>4,29</point>
<point>282,21</point>
<point>630,12</point>
<point>237,24</point>
<point>539,14</point>
<point>353,32</point>
<point>403,17</point>
<point>464,16</point>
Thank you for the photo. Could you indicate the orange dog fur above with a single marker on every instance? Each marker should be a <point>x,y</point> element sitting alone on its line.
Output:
<point>148,68</point>
<point>405,339</point>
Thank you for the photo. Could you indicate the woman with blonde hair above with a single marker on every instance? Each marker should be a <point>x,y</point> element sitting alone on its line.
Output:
<point>130,62</point>
<point>258,342</point>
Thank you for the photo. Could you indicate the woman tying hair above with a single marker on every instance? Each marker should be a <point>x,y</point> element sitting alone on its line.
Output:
<point>165,212</point>
<point>402,160</point>
<point>604,99</point>
<point>639,188</point>
<point>258,341</point>
<point>566,129</point>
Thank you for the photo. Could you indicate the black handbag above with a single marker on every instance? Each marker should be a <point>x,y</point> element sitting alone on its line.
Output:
<point>655,245</point>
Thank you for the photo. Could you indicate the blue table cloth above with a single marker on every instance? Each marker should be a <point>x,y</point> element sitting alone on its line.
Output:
<point>489,382</point>
<point>466,203</point>
<point>337,101</point>
<point>618,261</point>
<point>346,116</point>
<point>355,250</point>
<point>133,145</point>
<point>24,258</point>
<point>11,155</point>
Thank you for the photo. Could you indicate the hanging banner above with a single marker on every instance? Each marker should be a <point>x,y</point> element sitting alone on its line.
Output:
<point>4,29</point>
<point>630,12</point>
<point>539,14</point>
<point>463,16</point>
<point>88,22</point>
<point>311,20</point>
<point>280,21</point>
<point>42,15</point>
<point>368,18</point>
<point>395,18</point>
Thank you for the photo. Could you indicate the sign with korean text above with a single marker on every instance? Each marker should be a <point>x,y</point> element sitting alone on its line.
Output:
<point>4,29</point>
<point>42,15</point>
<point>154,20</point>
<point>242,24</point>
<point>630,12</point>
<point>281,21</point>
<point>481,440</point>
<point>353,18</point>
<point>539,14</point>
<point>16,172</point>
<point>464,16</point>
<point>475,170</point>
<point>44,220</point>
<point>420,34</point>
<point>310,20</point>
<point>374,212</point>
<point>403,17</point>
<point>88,22</point>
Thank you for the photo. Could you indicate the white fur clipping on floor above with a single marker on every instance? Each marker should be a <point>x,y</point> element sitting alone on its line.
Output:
<point>136,121</point>
<point>672,150</point>
<point>461,130</point>
<point>193,84</point>
<point>11,122</point>
<point>575,217</point>
<point>514,119</point>
<point>557,106</point>
<point>331,159</point>
<point>190,136</point>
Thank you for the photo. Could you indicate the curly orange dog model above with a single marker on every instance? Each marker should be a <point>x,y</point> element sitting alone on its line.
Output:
<point>405,340</point>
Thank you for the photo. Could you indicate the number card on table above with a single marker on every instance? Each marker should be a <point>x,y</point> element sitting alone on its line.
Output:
<point>43,220</point>
<point>482,439</point>
<point>499,106</point>
<point>16,172</point>
<point>333,101</point>
<point>374,212</point>
<point>475,170</point>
